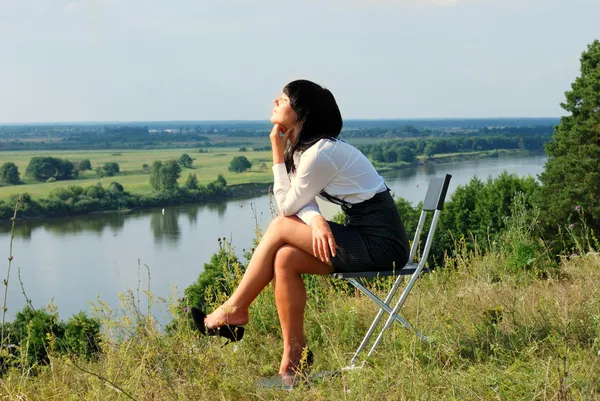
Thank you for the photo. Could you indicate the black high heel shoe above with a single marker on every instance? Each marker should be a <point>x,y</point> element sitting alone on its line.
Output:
<point>228,331</point>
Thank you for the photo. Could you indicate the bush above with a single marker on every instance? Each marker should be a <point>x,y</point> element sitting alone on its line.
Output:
<point>36,333</point>
<point>520,242</point>
<point>81,336</point>
<point>217,281</point>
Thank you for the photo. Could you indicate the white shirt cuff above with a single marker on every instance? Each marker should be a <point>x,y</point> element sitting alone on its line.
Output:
<point>279,171</point>
<point>307,215</point>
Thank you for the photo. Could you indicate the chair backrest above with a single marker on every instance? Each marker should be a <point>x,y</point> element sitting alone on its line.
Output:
<point>434,202</point>
<point>436,193</point>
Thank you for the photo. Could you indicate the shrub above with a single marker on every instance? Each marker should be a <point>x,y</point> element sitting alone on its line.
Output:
<point>218,280</point>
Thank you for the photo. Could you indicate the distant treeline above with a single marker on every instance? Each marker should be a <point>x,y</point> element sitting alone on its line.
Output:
<point>406,150</point>
<point>214,134</point>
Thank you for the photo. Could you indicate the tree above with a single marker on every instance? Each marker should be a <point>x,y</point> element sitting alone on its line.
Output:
<point>115,188</point>
<point>406,154</point>
<point>430,150</point>
<point>43,168</point>
<point>192,181</point>
<point>377,155</point>
<point>390,156</point>
<point>222,180</point>
<point>239,164</point>
<point>571,176</point>
<point>108,169</point>
<point>9,173</point>
<point>164,176</point>
<point>186,161</point>
<point>82,165</point>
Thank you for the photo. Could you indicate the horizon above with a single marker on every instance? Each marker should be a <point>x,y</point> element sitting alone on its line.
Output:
<point>266,121</point>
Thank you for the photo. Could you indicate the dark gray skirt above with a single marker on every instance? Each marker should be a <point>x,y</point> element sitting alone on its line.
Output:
<point>373,238</point>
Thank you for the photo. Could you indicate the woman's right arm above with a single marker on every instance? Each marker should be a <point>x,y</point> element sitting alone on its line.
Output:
<point>314,171</point>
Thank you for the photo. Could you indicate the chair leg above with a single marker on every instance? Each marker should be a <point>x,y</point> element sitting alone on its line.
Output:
<point>384,307</point>
<point>389,297</point>
<point>394,314</point>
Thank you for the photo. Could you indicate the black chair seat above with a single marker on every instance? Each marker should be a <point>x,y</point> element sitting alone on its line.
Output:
<point>408,269</point>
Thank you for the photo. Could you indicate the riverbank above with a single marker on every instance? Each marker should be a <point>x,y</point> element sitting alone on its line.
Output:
<point>455,157</point>
<point>238,190</point>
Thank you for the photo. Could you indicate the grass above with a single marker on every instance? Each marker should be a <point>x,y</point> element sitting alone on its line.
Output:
<point>207,166</point>
<point>496,333</point>
<point>544,348</point>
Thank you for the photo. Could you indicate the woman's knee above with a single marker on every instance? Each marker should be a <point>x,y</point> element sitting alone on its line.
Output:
<point>280,221</point>
<point>284,262</point>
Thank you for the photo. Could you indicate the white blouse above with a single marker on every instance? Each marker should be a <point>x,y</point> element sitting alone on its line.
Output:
<point>336,167</point>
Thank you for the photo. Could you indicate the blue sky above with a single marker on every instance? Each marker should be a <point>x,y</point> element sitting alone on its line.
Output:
<point>137,60</point>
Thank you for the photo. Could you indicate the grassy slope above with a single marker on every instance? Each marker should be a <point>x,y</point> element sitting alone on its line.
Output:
<point>494,336</point>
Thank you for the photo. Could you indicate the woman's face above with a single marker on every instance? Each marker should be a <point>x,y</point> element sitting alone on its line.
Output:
<point>283,113</point>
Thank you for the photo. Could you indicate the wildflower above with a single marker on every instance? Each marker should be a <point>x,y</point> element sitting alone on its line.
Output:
<point>571,226</point>
<point>185,309</point>
<point>577,208</point>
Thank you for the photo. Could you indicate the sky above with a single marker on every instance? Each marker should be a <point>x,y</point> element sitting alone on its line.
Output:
<point>156,60</point>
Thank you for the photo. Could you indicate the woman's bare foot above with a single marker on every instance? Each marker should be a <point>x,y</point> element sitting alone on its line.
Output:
<point>226,314</point>
<point>300,359</point>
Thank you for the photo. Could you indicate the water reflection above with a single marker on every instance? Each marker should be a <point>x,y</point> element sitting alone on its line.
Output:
<point>219,207</point>
<point>93,224</point>
<point>401,173</point>
<point>165,226</point>
<point>428,169</point>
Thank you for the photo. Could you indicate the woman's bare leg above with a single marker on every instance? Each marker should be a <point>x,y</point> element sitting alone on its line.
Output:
<point>281,231</point>
<point>290,297</point>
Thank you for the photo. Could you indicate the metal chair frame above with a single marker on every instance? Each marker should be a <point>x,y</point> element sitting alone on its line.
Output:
<point>434,202</point>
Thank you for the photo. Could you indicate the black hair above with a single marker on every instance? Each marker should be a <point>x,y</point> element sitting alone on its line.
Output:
<point>318,117</point>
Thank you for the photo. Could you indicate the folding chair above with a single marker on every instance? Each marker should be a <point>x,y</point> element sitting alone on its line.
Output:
<point>434,202</point>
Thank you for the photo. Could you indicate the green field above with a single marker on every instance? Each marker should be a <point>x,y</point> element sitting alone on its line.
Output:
<point>207,166</point>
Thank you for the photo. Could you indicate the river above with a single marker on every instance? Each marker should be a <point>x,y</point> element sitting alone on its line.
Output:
<point>71,261</point>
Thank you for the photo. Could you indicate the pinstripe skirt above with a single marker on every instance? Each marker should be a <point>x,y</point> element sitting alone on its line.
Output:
<point>373,238</point>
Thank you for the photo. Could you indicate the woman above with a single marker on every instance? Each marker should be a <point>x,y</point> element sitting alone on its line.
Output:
<point>309,161</point>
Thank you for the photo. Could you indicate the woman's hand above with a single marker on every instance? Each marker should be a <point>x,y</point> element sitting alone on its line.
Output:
<point>279,137</point>
<point>323,241</point>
